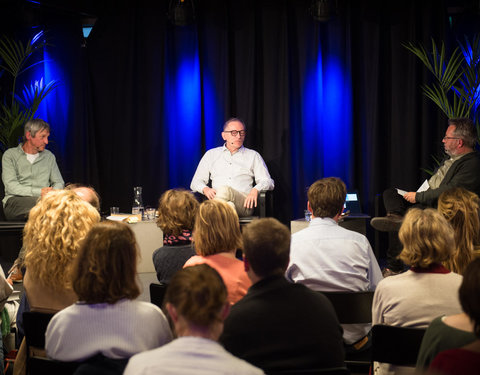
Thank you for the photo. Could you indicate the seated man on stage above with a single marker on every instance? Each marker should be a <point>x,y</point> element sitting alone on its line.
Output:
<point>459,169</point>
<point>233,169</point>
<point>29,171</point>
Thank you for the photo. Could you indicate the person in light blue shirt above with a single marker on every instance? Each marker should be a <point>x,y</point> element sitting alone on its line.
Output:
<point>326,257</point>
<point>29,171</point>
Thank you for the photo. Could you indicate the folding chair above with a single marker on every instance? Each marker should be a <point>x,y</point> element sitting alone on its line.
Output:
<point>353,308</point>
<point>157,293</point>
<point>396,345</point>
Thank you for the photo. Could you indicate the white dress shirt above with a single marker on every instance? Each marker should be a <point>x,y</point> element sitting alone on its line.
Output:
<point>238,170</point>
<point>327,257</point>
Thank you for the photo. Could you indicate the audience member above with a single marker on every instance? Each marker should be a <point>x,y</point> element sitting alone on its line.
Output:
<point>414,298</point>
<point>87,193</point>
<point>466,359</point>
<point>327,257</point>
<point>461,209</point>
<point>196,301</point>
<point>107,319</point>
<point>176,216</point>
<point>237,173</point>
<point>52,236</point>
<point>217,238</point>
<point>29,171</point>
<point>310,336</point>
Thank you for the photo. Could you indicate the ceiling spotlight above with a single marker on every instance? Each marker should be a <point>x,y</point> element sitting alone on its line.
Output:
<point>181,12</point>
<point>322,10</point>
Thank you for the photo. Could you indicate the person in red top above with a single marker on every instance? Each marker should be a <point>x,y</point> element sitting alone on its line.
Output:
<point>217,237</point>
<point>464,360</point>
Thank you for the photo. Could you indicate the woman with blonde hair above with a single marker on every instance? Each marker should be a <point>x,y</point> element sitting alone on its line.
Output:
<point>196,300</point>
<point>217,238</point>
<point>414,298</point>
<point>461,209</point>
<point>56,226</point>
<point>107,319</point>
<point>177,209</point>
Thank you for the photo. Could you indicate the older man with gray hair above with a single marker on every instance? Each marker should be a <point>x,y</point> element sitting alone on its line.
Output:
<point>29,171</point>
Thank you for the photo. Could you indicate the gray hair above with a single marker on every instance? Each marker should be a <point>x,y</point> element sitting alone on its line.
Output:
<point>34,126</point>
<point>232,119</point>
<point>465,129</point>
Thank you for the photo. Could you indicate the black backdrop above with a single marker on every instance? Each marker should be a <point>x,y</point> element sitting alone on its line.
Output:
<point>117,136</point>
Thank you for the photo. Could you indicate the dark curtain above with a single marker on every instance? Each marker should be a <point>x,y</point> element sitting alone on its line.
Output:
<point>131,124</point>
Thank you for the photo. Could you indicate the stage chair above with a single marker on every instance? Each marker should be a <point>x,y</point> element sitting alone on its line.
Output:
<point>396,345</point>
<point>157,293</point>
<point>354,308</point>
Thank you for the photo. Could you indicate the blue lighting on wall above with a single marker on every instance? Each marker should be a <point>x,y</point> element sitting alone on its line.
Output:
<point>183,108</point>
<point>327,123</point>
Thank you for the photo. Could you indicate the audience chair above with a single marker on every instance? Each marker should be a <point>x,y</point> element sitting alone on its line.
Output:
<point>46,366</point>
<point>354,308</point>
<point>34,325</point>
<point>157,293</point>
<point>396,345</point>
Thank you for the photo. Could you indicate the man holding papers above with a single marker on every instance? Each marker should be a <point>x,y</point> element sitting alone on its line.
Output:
<point>461,167</point>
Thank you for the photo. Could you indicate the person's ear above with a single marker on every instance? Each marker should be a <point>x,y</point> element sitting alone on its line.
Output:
<point>28,135</point>
<point>246,263</point>
<point>309,207</point>
<point>225,311</point>
<point>172,311</point>
<point>224,137</point>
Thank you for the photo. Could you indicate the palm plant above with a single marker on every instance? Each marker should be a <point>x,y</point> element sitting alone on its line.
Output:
<point>18,108</point>
<point>455,89</point>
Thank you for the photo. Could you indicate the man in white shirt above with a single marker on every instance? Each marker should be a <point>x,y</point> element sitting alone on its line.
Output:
<point>237,173</point>
<point>326,257</point>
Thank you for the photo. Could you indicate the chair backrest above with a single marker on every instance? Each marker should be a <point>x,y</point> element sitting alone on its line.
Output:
<point>35,324</point>
<point>157,293</point>
<point>41,366</point>
<point>352,307</point>
<point>396,345</point>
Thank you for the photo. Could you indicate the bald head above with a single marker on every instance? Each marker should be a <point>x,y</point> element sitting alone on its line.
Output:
<point>89,195</point>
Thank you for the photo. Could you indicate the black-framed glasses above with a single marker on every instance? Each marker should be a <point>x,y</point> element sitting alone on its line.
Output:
<point>451,137</point>
<point>236,132</point>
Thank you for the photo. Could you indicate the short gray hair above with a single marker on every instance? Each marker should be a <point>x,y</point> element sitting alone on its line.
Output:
<point>34,126</point>
<point>232,119</point>
<point>465,129</point>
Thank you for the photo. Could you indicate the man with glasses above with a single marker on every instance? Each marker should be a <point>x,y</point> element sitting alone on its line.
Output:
<point>236,173</point>
<point>460,168</point>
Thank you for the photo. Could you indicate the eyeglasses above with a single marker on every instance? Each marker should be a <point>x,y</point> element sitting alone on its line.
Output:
<point>236,132</point>
<point>451,138</point>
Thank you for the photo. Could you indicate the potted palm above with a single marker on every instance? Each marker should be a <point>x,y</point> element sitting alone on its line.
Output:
<point>19,106</point>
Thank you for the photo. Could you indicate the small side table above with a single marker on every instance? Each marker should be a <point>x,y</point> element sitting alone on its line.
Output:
<point>355,222</point>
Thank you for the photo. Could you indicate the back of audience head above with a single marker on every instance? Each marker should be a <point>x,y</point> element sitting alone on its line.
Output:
<point>326,197</point>
<point>53,233</point>
<point>177,209</point>
<point>105,269</point>
<point>87,193</point>
<point>461,209</point>
<point>198,295</point>
<point>217,228</point>
<point>427,238</point>
<point>266,246</point>
<point>469,293</point>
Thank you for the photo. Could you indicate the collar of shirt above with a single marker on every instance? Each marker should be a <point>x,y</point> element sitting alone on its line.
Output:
<point>241,149</point>
<point>322,221</point>
<point>432,268</point>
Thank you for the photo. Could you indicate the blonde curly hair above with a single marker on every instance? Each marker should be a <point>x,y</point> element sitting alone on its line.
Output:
<point>460,207</point>
<point>56,226</point>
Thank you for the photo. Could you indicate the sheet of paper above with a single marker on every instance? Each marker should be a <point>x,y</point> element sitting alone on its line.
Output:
<point>401,192</point>
<point>117,217</point>
<point>424,186</point>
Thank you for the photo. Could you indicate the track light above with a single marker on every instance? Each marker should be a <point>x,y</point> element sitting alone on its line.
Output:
<point>181,12</point>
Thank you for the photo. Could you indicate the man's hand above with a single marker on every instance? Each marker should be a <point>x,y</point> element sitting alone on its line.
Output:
<point>45,190</point>
<point>251,199</point>
<point>410,196</point>
<point>209,192</point>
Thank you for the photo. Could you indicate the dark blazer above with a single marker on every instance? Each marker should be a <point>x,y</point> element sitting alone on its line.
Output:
<point>465,173</point>
<point>278,325</point>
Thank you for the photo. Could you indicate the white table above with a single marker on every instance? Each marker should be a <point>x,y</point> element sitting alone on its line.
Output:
<point>149,238</point>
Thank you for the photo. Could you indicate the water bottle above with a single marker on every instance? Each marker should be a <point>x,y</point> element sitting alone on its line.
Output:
<point>137,207</point>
